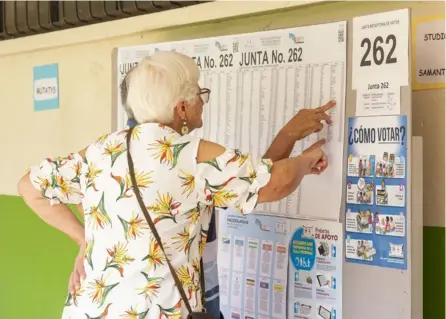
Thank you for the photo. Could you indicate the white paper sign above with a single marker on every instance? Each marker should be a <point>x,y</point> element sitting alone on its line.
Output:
<point>378,97</point>
<point>45,89</point>
<point>430,53</point>
<point>381,46</point>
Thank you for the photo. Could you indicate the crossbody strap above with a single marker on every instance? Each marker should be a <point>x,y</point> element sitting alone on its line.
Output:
<point>152,225</point>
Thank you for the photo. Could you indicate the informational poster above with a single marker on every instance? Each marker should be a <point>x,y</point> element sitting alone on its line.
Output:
<point>46,87</point>
<point>253,265</point>
<point>258,82</point>
<point>315,271</point>
<point>375,217</point>
<point>429,53</point>
<point>381,48</point>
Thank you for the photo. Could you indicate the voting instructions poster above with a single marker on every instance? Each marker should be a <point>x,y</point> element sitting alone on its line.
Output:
<point>253,263</point>
<point>375,217</point>
<point>258,82</point>
<point>315,271</point>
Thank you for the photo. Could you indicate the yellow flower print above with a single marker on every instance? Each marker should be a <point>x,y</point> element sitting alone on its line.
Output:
<point>238,158</point>
<point>251,176</point>
<point>188,183</point>
<point>164,208</point>
<point>189,282</point>
<point>193,215</point>
<point>89,244</point>
<point>98,217</point>
<point>196,265</point>
<point>103,315</point>
<point>65,186</point>
<point>184,241</point>
<point>171,313</point>
<point>134,314</point>
<point>100,141</point>
<point>100,290</point>
<point>151,288</point>
<point>155,256</point>
<point>92,173</point>
<point>134,227</point>
<point>218,194</point>
<point>166,151</point>
<point>142,181</point>
<point>203,240</point>
<point>118,258</point>
<point>135,133</point>
<point>268,164</point>
<point>114,150</point>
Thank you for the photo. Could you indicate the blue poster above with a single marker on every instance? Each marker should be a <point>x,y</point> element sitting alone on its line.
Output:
<point>375,217</point>
<point>46,87</point>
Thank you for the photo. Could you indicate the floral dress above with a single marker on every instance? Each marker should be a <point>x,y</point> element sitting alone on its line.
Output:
<point>127,274</point>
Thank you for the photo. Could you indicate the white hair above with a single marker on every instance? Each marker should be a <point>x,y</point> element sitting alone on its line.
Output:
<point>158,84</point>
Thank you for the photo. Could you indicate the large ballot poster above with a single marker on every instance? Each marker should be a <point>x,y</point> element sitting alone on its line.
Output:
<point>258,82</point>
<point>275,267</point>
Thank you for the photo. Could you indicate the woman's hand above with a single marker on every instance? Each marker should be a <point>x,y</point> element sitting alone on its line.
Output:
<point>308,121</point>
<point>78,273</point>
<point>316,161</point>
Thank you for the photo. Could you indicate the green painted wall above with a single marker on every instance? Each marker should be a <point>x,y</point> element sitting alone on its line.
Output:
<point>36,262</point>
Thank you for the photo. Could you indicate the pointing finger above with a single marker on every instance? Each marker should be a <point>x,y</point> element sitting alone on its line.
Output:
<point>326,107</point>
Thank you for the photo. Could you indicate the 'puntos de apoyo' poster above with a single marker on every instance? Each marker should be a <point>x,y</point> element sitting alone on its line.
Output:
<point>375,217</point>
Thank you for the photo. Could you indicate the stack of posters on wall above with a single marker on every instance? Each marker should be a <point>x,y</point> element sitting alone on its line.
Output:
<point>376,220</point>
<point>263,259</point>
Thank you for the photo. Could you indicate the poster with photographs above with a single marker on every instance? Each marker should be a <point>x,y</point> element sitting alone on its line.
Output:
<point>375,217</point>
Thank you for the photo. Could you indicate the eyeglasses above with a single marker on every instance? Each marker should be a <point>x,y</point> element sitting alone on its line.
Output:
<point>204,95</point>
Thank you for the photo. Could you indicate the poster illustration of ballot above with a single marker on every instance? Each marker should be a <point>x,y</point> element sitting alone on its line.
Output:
<point>315,271</point>
<point>253,265</point>
<point>375,217</point>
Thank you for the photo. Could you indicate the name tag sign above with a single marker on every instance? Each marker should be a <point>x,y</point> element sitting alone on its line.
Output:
<point>381,47</point>
<point>46,87</point>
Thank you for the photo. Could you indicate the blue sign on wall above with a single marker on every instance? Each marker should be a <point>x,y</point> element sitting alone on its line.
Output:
<point>46,87</point>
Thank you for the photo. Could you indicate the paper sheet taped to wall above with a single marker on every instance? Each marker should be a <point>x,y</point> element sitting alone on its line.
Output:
<point>258,81</point>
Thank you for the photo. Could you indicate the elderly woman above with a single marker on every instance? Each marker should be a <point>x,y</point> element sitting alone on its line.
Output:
<point>178,177</point>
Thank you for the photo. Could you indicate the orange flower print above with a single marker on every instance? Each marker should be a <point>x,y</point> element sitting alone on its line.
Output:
<point>134,314</point>
<point>251,176</point>
<point>171,313</point>
<point>89,244</point>
<point>219,195</point>
<point>103,315</point>
<point>100,290</point>
<point>143,180</point>
<point>135,133</point>
<point>166,152</point>
<point>65,187</point>
<point>98,217</point>
<point>188,183</point>
<point>196,265</point>
<point>189,282</point>
<point>184,241</point>
<point>118,258</point>
<point>114,150</point>
<point>92,173</point>
<point>203,240</point>
<point>134,227</point>
<point>164,208</point>
<point>72,299</point>
<point>151,288</point>
<point>155,256</point>
<point>238,158</point>
<point>100,141</point>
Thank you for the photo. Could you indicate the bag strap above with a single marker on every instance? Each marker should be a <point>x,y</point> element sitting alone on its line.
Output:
<point>152,225</point>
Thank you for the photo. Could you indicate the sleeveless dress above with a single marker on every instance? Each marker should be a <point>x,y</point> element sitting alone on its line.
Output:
<point>127,273</point>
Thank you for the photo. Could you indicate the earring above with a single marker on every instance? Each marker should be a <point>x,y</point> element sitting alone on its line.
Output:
<point>184,129</point>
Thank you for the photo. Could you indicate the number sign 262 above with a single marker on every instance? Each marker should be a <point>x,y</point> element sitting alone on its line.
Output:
<point>378,54</point>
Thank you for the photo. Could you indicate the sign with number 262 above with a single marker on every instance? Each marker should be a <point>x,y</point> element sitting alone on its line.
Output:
<point>381,47</point>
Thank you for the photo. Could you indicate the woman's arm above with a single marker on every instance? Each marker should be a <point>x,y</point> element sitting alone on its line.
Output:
<point>58,215</point>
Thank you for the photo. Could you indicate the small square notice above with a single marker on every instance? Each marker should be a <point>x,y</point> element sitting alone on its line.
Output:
<point>46,87</point>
